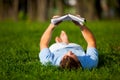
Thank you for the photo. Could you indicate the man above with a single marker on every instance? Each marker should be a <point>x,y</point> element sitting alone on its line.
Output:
<point>66,54</point>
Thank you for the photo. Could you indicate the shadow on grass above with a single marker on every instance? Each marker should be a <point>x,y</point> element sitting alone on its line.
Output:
<point>108,59</point>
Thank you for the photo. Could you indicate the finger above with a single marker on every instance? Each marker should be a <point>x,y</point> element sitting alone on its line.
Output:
<point>55,16</point>
<point>78,15</point>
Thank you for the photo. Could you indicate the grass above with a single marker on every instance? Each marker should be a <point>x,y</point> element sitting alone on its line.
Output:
<point>19,49</point>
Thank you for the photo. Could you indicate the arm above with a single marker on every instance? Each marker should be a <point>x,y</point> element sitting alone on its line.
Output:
<point>45,39</point>
<point>88,36</point>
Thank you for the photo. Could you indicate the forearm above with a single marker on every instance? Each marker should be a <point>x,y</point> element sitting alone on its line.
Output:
<point>88,36</point>
<point>45,39</point>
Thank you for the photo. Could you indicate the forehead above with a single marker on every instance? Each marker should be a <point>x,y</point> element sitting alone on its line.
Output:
<point>72,56</point>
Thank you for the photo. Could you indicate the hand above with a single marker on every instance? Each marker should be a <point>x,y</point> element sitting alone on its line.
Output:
<point>76,22</point>
<point>56,16</point>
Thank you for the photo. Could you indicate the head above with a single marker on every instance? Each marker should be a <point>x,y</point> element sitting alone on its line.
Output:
<point>70,61</point>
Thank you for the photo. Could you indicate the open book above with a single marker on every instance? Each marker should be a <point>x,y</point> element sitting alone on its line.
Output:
<point>69,17</point>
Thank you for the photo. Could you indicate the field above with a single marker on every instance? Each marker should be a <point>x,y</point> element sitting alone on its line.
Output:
<point>19,49</point>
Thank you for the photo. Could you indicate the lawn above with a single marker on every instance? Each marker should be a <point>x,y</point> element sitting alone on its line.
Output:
<point>19,49</point>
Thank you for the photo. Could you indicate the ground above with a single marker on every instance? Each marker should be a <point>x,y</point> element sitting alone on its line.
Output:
<point>19,49</point>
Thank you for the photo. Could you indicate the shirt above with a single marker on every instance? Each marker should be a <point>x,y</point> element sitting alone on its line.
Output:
<point>88,60</point>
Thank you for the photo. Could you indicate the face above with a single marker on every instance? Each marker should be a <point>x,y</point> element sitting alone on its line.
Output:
<point>72,55</point>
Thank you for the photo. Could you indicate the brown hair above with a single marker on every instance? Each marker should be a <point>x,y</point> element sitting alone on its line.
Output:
<point>69,63</point>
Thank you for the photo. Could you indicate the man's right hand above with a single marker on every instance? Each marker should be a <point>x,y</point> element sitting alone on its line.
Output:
<point>56,23</point>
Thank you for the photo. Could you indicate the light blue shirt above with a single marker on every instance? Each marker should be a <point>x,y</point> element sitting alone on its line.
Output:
<point>88,60</point>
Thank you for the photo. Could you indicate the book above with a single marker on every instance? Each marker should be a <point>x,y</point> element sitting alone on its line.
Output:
<point>68,17</point>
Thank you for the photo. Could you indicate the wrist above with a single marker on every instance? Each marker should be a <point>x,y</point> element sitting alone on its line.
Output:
<point>51,25</point>
<point>81,27</point>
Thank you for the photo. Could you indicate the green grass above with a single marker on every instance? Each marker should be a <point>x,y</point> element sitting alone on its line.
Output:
<point>19,49</point>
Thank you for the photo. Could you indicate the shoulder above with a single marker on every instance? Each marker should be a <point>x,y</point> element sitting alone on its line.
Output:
<point>44,52</point>
<point>46,56</point>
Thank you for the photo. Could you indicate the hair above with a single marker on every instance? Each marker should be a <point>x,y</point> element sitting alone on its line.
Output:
<point>69,63</point>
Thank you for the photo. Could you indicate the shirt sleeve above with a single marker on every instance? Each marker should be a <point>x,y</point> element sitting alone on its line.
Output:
<point>92,52</point>
<point>91,58</point>
<point>46,56</point>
